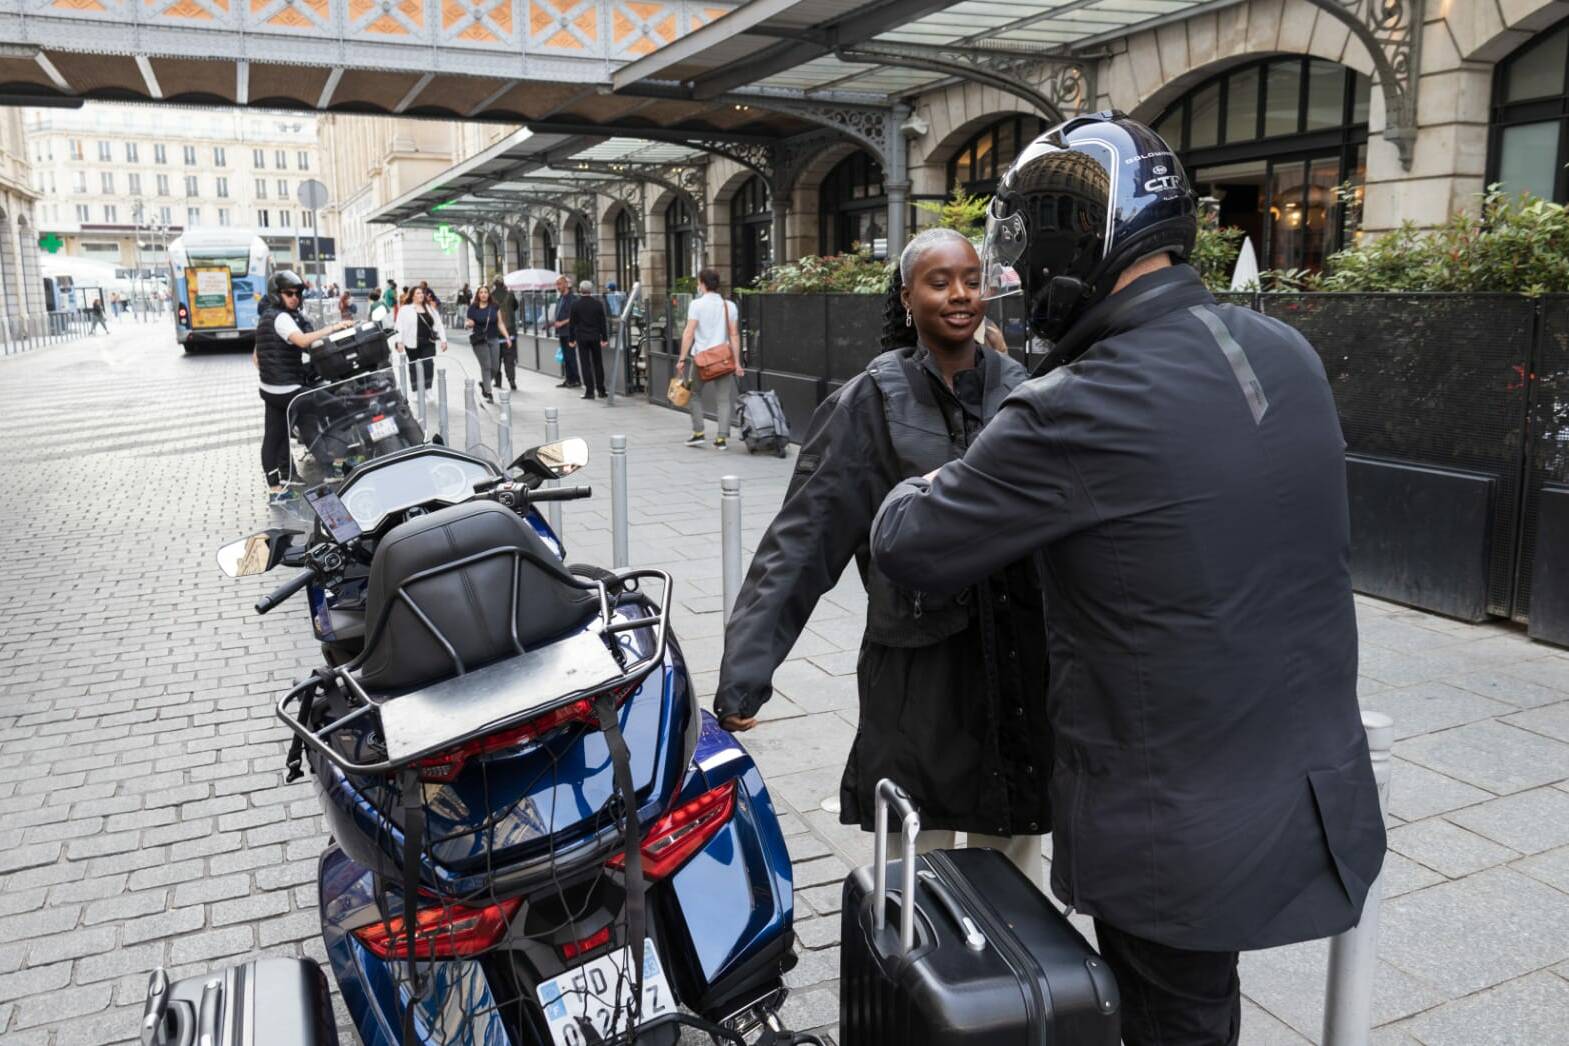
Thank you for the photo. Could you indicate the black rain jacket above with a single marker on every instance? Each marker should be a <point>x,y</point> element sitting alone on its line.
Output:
<point>1185,479</point>
<point>952,689</point>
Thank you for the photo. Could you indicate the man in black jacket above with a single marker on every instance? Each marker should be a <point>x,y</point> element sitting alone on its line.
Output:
<point>587,329</point>
<point>1182,471</point>
<point>562,326</point>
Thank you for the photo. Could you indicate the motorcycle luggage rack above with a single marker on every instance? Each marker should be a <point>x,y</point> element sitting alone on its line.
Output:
<point>475,703</point>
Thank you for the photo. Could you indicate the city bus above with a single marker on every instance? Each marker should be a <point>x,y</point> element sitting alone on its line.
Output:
<point>217,278</point>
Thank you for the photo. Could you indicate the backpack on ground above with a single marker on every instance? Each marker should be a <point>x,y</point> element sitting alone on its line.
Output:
<point>762,422</point>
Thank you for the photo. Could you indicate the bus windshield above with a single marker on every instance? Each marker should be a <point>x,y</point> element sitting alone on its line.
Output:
<point>237,264</point>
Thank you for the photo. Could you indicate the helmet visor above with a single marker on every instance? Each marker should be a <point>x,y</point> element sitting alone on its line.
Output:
<point>1000,251</point>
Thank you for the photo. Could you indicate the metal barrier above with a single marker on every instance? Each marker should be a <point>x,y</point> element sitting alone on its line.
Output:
<point>1353,955</point>
<point>20,334</point>
<point>553,433</point>
<point>620,553</point>
<point>730,538</point>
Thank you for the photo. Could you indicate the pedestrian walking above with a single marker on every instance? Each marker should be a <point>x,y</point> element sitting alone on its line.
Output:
<point>952,690</point>
<point>96,312</point>
<point>420,334</point>
<point>711,323</point>
<point>465,296</point>
<point>1181,468</point>
<point>506,306</point>
<point>560,324</point>
<point>389,297</point>
<point>588,327</point>
<point>430,295</point>
<point>487,330</point>
<point>284,336</point>
<point>346,307</point>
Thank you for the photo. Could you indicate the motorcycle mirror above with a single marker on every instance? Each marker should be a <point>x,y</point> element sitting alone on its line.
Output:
<point>256,554</point>
<point>554,460</point>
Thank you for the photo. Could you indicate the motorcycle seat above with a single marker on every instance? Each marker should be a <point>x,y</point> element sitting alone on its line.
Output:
<point>449,591</point>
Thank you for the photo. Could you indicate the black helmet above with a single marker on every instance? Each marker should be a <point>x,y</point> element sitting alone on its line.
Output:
<point>1080,204</point>
<point>280,281</point>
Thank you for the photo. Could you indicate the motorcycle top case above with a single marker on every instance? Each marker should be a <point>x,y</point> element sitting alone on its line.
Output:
<point>1018,974</point>
<point>354,350</point>
<point>279,1002</point>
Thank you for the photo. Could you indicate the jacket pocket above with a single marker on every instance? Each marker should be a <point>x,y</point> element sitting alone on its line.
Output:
<point>1346,798</point>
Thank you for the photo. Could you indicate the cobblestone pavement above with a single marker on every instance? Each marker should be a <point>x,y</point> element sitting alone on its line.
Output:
<point>145,819</point>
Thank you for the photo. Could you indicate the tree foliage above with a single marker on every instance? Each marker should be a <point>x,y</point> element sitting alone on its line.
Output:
<point>961,212</point>
<point>853,272</point>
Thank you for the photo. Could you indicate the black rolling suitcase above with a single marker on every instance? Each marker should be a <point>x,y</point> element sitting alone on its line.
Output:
<point>981,957</point>
<point>276,1002</point>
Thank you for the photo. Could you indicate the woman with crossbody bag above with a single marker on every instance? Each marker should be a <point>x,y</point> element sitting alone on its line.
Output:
<point>487,330</point>
<point>713,327</point>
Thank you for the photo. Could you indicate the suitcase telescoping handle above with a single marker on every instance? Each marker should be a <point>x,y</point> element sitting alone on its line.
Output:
<point>888,794</point>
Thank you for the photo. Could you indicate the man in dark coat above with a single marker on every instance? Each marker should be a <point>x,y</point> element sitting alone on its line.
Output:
<point>586,332</point>
<point>1182,472</point>
<point>951,689</point>
<point>561,324</point>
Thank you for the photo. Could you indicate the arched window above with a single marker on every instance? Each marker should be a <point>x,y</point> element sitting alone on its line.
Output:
<point>852,205</point>
<point>547,247</point>
<point>1271,141</point>
<point>581,249</point>
<point>626,250</point>
<point>751,232</point>
<point>679,226</point>
<point>978,163</point>
<point>1528,144</point>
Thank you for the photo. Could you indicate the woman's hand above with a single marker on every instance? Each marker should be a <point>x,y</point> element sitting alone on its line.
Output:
<point>468,324</point>
<point>443,346</point>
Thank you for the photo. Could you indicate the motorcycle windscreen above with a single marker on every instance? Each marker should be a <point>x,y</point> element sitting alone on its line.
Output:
<point>334,427</point>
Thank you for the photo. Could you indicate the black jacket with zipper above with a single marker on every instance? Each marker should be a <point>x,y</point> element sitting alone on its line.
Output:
<point>951,688</point>
<point>1184,478</point>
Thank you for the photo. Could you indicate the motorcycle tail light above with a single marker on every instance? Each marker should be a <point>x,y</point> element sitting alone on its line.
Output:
<point>572,949</point>
<point>675,837</point>
<point>444,767</point>
<point>449,931</point>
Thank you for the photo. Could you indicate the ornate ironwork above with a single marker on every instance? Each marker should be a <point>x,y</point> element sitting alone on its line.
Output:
<point>870,126</point>
<point>1391,30</point>
<point>1063,92</point>
<point>683,179</point>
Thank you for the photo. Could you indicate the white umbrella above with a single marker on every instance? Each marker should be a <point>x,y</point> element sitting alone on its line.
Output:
<point>532,280</point>
<point>1245,276</point>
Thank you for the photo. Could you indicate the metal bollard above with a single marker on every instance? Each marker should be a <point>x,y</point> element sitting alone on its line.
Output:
<point>470,416</point>
<point>442,425</point>
<point>730,538</point>
<point>1353,955</point>
<point>552,434</point>
<point>504,430</point>
<point>619,555</point>
<point>419,392</point>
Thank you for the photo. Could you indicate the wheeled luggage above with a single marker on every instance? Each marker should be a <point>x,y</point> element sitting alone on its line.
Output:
<point>762,422</point>
<point>982,956</point>
<point>280,1002</point>
<point>353,350</point>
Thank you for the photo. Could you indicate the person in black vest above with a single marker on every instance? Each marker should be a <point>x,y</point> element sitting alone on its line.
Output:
<point>952,690</point>
<point>1181,469</point>
<point>283,338</point>
<point>587,330</point>
<point>561,325</point>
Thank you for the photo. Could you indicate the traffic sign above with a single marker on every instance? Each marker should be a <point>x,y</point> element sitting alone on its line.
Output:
<point>313,195</point>
<point>360,278</point>
<point>318,248</point>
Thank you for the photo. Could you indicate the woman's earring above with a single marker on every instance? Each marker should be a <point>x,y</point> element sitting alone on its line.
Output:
<point>909,319</point>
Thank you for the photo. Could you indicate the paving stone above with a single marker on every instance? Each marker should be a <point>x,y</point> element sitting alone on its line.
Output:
<point>1533,1009</point>
<point>817,933</point>
<point>61,1005</point>
<point>1446,848</point>
<point>1261,1028</point>
<point>1494,683</point>
<point>1529,822</point>
<point>125,906</point>
<point>809,742</point>
<point>212,944</point>
<point>1547,720</point>
<point>1289,983</point>
<point>1551,867</point>
<point>814,967</point>
<point>819,872</point>
<point>1416,792</point>
<point>1402,875</point>
<point>165,924</point>
<point>1426,707</point>
<point>34,980</point>
<point>1490,755</point>
<point>72,945</point>
<point>1476,932</point>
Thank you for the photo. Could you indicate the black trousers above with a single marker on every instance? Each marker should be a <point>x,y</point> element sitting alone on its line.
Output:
<point>591,357</point>
<point>428,355</point>
<point>569,363</point>
<point>1173,996</point>
<point>509,362</point>
<point>275,437</point>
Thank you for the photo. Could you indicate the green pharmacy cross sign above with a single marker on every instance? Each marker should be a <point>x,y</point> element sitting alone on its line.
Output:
<point>446,239</point>
<point>50,242</point>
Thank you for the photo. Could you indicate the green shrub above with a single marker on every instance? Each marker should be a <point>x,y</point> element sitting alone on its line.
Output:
<point>1215,251</point>
<point>961,211</point>
<point>854,272</point>
<point>685,285</point>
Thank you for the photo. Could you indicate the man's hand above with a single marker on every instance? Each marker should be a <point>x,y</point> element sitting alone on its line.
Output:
<point>737,724</point>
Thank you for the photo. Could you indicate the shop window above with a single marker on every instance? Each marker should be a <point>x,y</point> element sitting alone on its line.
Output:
<point>978,164</point>
<point>852,205</point>
<point>751,232</point>
<point>679,227</point>
<point>1529,139</point>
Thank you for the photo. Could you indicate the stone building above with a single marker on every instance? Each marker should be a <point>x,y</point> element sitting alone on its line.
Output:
<point>22,300</point>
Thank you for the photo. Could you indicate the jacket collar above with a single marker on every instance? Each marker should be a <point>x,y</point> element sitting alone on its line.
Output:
<point>986,361</point>
<point>1145,299</point>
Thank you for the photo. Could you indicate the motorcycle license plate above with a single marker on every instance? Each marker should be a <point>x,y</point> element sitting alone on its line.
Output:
<point>384,428</point>
<point>586,1004</point>
<point>228,334</point>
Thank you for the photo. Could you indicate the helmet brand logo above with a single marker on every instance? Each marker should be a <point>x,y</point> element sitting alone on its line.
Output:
<point>1165,183</point>
<point>1159,168</point>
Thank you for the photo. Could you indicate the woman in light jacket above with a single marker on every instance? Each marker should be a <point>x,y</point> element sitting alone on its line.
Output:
<point>420,332</point>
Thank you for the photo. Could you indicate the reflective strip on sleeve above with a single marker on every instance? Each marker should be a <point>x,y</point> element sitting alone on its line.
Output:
<point>1252,391</point>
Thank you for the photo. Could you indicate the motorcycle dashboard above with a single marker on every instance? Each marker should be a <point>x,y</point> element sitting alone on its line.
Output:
<point>372,495</point>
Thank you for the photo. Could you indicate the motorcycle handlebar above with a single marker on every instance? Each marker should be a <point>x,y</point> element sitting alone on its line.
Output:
<point>560,493</point>
<point>284,591</point>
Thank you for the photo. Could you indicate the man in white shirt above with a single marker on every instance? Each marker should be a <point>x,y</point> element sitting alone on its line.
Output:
<point>711,321</point>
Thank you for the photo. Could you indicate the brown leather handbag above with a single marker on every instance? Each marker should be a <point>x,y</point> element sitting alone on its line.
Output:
<point>714,362</point>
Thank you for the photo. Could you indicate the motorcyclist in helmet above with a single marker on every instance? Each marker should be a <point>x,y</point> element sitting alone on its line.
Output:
<point>284,335</point>
<point>1180,466</point>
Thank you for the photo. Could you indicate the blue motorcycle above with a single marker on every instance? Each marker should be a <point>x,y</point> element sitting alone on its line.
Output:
<point>539,836</point>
